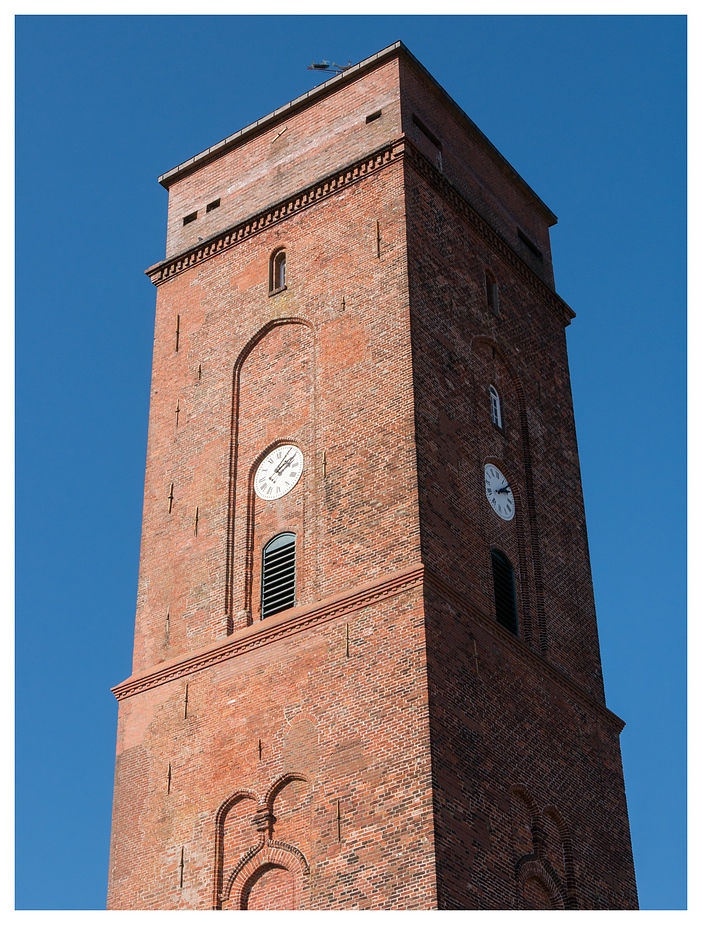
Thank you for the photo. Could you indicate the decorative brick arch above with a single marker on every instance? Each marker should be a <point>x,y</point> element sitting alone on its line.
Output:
<point>536,865</point>
<point>241,482</point>
<point>266,860</point>
<point>534,625</point>
<point>521,793</point>
<point>571,900</point>
<point>530,868</point>
<point>220,820</point>
<point>279,783</point>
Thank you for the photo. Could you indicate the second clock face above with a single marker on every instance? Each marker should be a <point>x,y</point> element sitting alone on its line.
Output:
<point>279,472</point>
<point>498,492</point>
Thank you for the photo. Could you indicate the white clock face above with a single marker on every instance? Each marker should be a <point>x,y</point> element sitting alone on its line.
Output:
<point>279,472</point>
<point>498,492</point>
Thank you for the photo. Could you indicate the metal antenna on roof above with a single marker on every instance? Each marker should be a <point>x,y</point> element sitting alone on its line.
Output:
<point>334,69</point>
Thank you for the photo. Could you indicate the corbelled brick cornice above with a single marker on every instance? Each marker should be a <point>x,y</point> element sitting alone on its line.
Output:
<point>503,637</point>
<point>324,188</point>
<point>494,240</point>
<point>341,179</point>
<point>300,619</point>
<point>289,623</point>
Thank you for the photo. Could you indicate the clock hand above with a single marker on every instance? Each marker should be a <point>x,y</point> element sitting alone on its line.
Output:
<point>503,490</point>
<point>280,470</point>
<point>284,463</point>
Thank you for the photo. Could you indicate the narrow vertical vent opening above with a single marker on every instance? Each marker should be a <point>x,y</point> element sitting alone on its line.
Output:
<point>491,291</point>
<point>505,593</point>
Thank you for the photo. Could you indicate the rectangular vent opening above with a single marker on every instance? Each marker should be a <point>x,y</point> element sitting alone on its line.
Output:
<point>530,244</point>
<point>373,116</point>
<point>426,131</point>
<point>190,218</point>
<point>213,205</point>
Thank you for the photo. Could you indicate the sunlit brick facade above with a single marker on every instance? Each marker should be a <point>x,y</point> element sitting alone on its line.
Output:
<point>385,741</point>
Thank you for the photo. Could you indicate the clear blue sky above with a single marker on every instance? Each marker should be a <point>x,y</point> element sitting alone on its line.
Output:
<point>589,110</point>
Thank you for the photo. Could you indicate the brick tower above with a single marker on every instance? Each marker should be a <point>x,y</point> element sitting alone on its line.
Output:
<point>366,668</point>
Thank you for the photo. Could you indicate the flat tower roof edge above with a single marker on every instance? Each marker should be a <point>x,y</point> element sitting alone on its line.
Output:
<point>171,175</point>
<point>351,72</point>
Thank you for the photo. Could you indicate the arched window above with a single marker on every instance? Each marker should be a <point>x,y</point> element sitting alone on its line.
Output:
<point>495,407</point>
<point>278,575</point>
<point>505,592</point>
<point>491,293</point>
<point>276,280</point>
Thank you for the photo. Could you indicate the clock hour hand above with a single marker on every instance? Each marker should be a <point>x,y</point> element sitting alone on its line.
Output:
<point>283,464</point>
<point>503,490</point>
<point>279,471</point>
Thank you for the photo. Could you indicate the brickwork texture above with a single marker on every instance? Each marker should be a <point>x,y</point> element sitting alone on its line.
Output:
<point>384,743</point>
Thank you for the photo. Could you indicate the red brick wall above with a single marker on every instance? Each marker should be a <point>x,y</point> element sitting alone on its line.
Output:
<point>353,314</point>
<point>505,721</point>
<point>525,766</point>
<point>325,364</point>
<point>356,728</point>
<point>460,349</point>
<point>384,744</point>
<point>296,149</point>
<point>488,182</point>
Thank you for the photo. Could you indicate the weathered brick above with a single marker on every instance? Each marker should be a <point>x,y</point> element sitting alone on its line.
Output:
<point>384,744</point>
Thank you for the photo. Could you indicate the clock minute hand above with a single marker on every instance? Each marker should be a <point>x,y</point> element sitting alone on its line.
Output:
<point>281,465</point>
<point>501,491</point>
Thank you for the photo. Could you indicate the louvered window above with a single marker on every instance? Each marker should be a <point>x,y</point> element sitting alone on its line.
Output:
<point>505,594</point>
<point>278,577</point>
<point>495,407</point>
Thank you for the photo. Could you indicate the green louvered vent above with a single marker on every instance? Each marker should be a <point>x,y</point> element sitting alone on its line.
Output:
<point>278,581</point>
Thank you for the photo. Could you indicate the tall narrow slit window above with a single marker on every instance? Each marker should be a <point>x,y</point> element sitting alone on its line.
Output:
<point>505,591</point>
<point>493,300</point>
<point>495,407</point>
<point>277,271</point>
<point>278,575</point>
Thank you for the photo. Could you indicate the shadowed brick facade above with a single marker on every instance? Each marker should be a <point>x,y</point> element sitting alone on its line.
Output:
<point>384,743</point>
